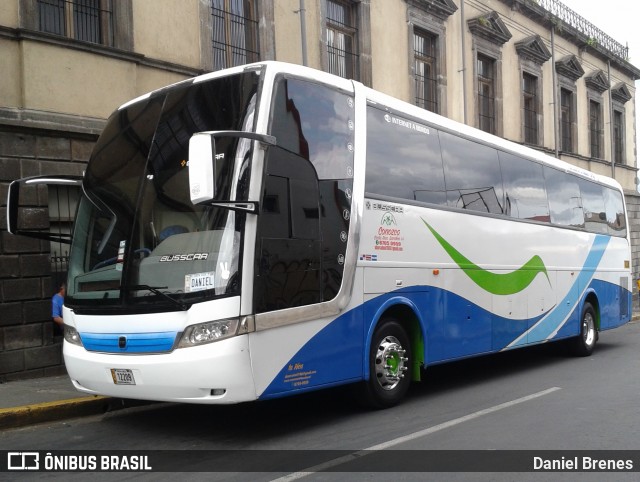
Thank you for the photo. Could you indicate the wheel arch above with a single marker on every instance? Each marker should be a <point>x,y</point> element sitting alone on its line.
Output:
<point>592,298</point>
<point>405,312</point>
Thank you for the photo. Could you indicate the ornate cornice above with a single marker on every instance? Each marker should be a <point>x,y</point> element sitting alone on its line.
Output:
<point>442,9</point>
<point>534,49</point>
<point>597,80</point>
<point>620,93</point>
<point>570,67</point>
<point>490,26</point>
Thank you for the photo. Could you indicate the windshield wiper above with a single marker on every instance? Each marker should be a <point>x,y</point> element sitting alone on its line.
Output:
<point>156,290</point>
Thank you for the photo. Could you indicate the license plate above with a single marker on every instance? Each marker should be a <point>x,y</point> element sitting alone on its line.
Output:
<point>122,376</point>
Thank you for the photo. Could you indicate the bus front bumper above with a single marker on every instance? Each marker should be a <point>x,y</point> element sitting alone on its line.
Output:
<point>216,373</point>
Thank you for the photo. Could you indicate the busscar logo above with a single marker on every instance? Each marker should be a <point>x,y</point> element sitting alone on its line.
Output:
<point>23,461</point>
<point>183,257</point>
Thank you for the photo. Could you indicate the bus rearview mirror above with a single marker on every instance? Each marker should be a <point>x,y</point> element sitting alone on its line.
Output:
<point>204,162</point>
<point>202,155</point>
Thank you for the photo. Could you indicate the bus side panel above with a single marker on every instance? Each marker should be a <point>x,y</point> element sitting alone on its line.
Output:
<point>336,353</point>
<point>460,329</point>
<point>613,307</point>
<point>329,357</point>
<point>565,313</point>
<point>613,285</point>
<point>456,326</point>
<point>618,311</point>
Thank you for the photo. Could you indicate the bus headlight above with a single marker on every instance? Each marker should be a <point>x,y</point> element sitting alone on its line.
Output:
<point>209,332</point>
<point>72,336</point>
<point>203,333</point>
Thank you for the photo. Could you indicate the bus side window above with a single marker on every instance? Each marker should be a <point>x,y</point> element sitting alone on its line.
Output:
<point>472,175</point>
<point>525,192</point>
<point>595,219</point>
<point>565,201</point>
<point>614,208</point>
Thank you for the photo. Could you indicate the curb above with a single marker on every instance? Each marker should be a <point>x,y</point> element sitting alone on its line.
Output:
<point>49,411</point>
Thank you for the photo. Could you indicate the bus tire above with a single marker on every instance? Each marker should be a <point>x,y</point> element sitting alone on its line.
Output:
<point>585,342</point>
<point>389,361</point>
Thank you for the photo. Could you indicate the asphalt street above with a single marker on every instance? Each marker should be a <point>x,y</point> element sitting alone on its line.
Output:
<point>534,399</point>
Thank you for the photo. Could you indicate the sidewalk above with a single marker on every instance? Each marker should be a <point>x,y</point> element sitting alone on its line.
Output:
<point>26,402</point>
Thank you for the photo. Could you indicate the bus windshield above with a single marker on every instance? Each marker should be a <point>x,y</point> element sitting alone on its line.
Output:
<point>138,239</point>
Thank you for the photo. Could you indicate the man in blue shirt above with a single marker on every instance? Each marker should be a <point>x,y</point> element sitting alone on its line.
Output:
<point>56,308</point>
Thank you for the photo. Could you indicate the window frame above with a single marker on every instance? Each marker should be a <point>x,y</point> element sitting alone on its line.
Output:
<point>596,128</point>
<point>567,120</point>
<point>430,58</point>
<point>430,17</point>
<point>486,111</point>
<point>361,14</point>
<point>70,19</point>
<point>230,52</point>
<point>618,132</point>
<point>348,31</point>
<point>121,36</point>
<point>530,120</point>
<point>533,54</point>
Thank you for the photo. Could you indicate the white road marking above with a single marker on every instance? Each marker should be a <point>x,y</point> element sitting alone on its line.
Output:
<point>412,436</point>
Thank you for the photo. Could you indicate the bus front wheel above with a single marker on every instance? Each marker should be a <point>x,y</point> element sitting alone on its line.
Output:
<point>389,365</point>
<point>585,342</point>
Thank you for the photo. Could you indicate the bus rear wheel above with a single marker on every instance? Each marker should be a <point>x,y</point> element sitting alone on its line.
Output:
<point>585,342</point>
<point>389,363</point>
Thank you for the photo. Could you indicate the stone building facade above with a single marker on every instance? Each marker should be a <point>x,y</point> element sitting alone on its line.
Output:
<point>533,72</point>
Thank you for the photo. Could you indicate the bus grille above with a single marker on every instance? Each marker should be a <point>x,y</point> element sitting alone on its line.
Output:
<point>129,343</point>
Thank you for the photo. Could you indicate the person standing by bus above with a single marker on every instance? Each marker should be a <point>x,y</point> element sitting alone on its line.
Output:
<point>56,308</point>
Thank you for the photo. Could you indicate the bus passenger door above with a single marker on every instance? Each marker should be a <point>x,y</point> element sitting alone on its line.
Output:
<point>289,250</point>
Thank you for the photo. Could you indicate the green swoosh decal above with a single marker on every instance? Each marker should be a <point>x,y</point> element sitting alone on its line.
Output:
<point>494,283</point>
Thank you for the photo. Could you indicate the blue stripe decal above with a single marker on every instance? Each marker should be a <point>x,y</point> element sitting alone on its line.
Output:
<point>549,326</point>
<point>160,342</point>
<point>454,328</point>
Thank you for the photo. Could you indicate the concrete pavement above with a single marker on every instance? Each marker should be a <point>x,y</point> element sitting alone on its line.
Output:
<point>27,402</point>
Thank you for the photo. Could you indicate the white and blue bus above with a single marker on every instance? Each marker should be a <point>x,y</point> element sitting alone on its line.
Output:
<point>271,229</point>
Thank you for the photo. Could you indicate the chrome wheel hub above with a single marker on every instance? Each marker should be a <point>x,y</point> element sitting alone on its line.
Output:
<point>391,363</point>
<point>588,329</point>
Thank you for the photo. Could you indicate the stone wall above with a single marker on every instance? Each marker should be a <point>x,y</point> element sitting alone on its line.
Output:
<point>633,211</point>
<point>28,347</point>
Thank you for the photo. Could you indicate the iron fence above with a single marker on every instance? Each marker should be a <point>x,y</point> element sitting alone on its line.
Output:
<point>593,33</point>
